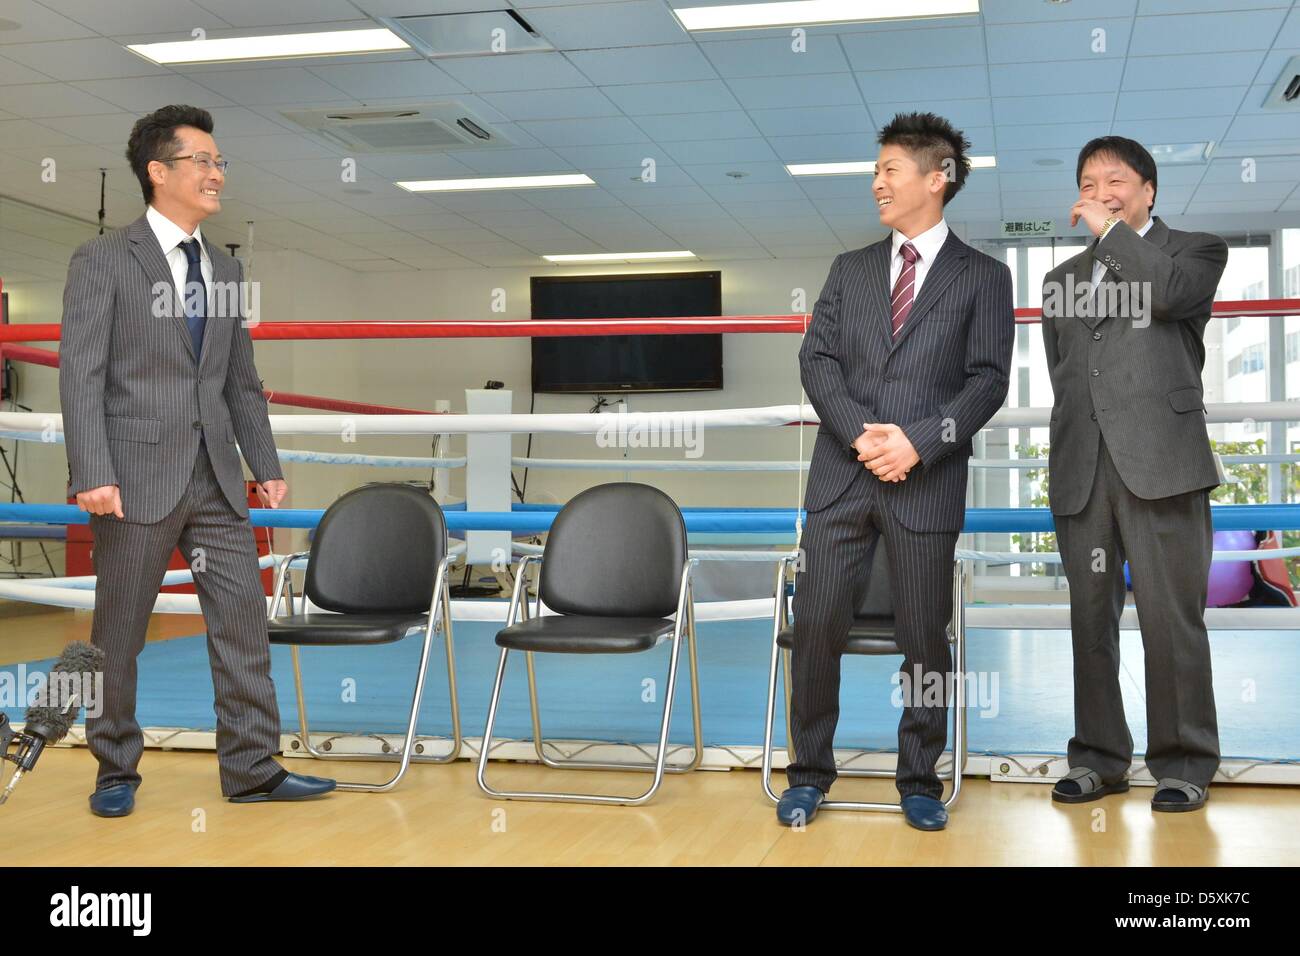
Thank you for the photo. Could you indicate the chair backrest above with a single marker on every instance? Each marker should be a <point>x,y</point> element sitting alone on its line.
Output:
<point>377,550</point>
<point>875,601</point>
<point>616,550</point>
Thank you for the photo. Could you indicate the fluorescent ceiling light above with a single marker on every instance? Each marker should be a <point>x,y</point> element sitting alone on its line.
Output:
<point>867,168</point>
<point>283,46</point>
<point>621,256</point>
<point>496,182</point>
<point>811,12</point>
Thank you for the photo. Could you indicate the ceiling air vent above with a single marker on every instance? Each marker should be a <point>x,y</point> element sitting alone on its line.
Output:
<point>1285,94</point>
<point>468,34</point>
<point>431,126</point>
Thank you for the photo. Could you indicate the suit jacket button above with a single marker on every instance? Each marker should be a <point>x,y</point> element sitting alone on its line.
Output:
<point>1096,336</point>
<point>1093,416</point>
<point>1096,372</point>
<point>198,424</point>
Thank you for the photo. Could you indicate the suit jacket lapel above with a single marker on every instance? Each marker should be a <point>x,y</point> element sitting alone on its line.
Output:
<point>1157,234</point>
<point>224,271</point>
<point>147,252</point>
<point>876,262</point>
<point>1082,276</point>
<point>947,265</point>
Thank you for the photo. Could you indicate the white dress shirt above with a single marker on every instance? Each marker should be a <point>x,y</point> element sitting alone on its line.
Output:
<point>927,246</point>
<point>1099,267</point>
<point>170,236</point>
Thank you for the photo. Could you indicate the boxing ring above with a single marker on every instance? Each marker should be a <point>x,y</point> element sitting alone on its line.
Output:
<point>1010,640</point>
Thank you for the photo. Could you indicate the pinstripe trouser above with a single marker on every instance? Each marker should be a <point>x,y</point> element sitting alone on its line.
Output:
<point>130,561</point>
<point>1168,542</point>
<point>839,542</point>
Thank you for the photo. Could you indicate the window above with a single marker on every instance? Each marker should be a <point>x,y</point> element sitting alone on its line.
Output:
<point>1252,359</point>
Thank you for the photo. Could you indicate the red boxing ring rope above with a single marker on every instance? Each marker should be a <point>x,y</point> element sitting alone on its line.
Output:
<point>539,328</point>
<point>34,356</point>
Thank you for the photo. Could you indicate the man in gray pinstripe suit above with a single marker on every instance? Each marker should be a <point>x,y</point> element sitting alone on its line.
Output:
<point>1131,472</point>
<point>157,383</point>
<point>907,357</point>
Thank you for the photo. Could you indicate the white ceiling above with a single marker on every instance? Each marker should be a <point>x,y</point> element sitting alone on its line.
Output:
<point>626,83</point>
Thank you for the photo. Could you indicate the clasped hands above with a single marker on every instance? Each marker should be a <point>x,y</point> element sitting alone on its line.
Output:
<point>886,451</point>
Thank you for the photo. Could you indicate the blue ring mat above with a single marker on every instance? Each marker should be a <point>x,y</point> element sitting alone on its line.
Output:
<point>600,696</point>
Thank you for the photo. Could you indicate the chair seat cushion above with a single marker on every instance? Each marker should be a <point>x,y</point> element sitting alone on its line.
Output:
<point>324,628</point>
<point>867,635</point>
<point>582,634</point>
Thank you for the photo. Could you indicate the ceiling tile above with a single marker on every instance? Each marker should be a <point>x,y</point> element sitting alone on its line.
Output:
<point>138,16</point>
<point>601,25</point>
<point>649,99</point>
<point>38,23</point>
<point>886,85</point>
<point>830,89</point>
<point>39,100</point>
<point>522,71</point>
<point>731,124</point>
<point>1206,32</point>
<point>414,78</point>
<point>643,64</point>
<point>898,50</point>
<point>578,103</point>
<point>776,57</point>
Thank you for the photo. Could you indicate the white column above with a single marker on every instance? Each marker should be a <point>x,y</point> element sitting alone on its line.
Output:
<point>487,475</point>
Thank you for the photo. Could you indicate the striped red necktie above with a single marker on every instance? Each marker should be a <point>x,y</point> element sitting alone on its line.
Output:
<point>901,301</point>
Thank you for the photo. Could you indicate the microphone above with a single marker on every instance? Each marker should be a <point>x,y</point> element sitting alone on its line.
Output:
<point>46,725</point>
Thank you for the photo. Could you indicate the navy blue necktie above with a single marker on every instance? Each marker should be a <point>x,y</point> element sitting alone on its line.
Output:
<point>196,295</point>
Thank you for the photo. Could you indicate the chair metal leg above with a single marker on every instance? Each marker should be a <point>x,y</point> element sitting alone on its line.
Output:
<point>684,625</point>
<point>439,619</point>
<point>958,705</point>
<point>569,763</point>
<point>778,620</point>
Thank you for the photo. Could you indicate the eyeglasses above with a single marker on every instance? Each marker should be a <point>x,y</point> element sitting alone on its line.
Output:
<point>203,161</point>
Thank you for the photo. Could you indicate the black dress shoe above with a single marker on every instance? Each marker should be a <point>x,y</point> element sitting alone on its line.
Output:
<point>798,806</point>
<point>924,813</point>
<point>116,801</point>
<point>295,786</point>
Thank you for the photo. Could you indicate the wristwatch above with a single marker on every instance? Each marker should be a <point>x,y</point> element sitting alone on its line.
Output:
<point>1106,227</point>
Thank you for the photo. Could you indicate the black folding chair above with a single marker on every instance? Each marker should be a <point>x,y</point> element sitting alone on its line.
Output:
<point>614,568</point>
<point>379,560</point>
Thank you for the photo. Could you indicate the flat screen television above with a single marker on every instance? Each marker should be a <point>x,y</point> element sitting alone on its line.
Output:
<point>627,363</point>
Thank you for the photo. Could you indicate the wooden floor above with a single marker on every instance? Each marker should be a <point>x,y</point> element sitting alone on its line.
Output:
<point>438,816</point>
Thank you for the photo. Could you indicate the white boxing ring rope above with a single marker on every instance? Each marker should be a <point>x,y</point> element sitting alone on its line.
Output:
<point>36,426</point>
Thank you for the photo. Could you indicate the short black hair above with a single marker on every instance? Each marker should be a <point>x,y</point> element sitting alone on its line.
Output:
<point>154,137</point>
<point>1128,151</point>
<point>932,141</point>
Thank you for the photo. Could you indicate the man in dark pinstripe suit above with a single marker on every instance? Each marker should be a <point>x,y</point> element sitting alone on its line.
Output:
<point>907,357</point>
<point>157,383</point>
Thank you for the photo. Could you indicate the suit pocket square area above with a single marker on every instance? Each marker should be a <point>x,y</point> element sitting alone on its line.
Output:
<point>124,428</point>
